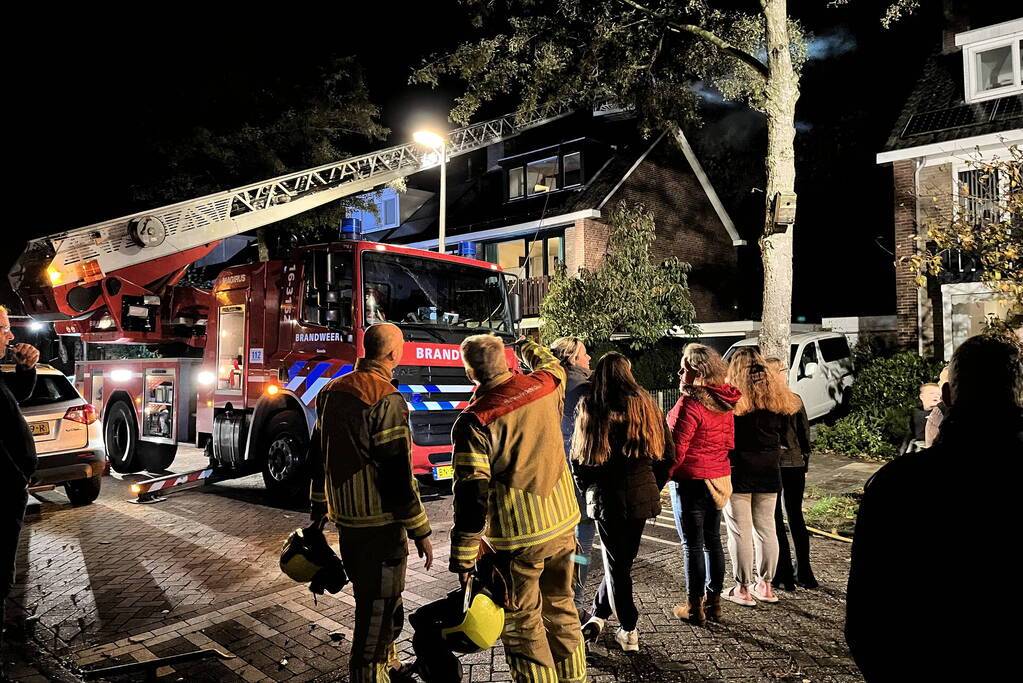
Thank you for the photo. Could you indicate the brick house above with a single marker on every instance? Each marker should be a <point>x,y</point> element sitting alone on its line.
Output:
<point>542,198</point>
<point>967,106</point>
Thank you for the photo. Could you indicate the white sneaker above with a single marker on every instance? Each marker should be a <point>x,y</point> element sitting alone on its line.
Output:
<point>592,628</point>
<point>629,640</point>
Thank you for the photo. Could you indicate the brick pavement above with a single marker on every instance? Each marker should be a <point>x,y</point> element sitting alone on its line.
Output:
<point>117,582</point>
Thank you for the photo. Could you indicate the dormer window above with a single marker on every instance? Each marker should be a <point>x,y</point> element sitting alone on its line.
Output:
<point>992,60</point>
<point>546,170</point>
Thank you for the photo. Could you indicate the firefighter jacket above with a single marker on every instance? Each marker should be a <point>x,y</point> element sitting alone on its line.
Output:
<point>511,480</point>
<point>361,453</point>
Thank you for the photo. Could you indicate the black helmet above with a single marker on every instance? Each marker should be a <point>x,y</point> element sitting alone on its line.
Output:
<point>466,620</point>
<point>308,558</point>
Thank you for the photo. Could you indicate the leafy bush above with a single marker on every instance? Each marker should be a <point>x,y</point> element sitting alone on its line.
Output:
<point>891,382</point>
<point>655,367</point>
<point>855,434</point>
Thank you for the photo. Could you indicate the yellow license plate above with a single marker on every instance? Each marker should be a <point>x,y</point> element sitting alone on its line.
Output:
<point>445,472</point>
<point>39,428</point>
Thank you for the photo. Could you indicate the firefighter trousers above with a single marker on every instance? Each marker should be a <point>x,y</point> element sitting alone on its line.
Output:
<point>542,639</point>
<point>375,559</point>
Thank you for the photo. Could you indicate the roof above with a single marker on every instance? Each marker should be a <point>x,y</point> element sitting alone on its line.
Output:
<point>936,110</point>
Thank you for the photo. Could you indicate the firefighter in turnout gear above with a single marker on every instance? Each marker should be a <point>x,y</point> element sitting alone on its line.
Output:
<point>513,484</point>
<point>362,480</point>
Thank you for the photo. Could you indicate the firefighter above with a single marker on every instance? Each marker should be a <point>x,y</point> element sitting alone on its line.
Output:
<point>362,480</point>
<point>511,478</point>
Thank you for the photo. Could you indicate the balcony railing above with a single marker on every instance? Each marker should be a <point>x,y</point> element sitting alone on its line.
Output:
<point>533,290</point>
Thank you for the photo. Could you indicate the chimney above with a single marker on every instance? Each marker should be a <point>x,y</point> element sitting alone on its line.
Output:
<point>955,19</point>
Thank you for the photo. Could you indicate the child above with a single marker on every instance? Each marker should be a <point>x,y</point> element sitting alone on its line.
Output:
<point>930,396</point>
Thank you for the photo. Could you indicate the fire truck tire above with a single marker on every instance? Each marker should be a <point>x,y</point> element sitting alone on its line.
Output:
<point>121,437</point>
<point>284,469</point>
<point>83,491</point>
<point>156,457</point>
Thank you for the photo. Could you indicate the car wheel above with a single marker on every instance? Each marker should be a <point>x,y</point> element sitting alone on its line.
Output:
<point>156,457</point>
<point>83,491</point>
<point>121,438</point>
<point>285,470</point>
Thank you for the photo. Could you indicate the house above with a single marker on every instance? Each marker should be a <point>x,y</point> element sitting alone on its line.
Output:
<point>542,198</point>
<point>967,106</point>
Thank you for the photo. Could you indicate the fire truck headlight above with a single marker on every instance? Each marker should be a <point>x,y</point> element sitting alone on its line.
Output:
<point>206,377</point>
<point>272,389</point>
<point>120,375</point>
<point>55,275</point>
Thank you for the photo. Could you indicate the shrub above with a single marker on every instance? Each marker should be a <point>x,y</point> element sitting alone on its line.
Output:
<point>855,434</point>
<point>891,382</point>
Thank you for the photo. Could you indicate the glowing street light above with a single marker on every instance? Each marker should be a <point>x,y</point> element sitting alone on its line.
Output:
<point>432,140</point>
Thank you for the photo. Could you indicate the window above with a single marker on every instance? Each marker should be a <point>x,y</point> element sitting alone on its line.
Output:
<point>573,166</point>
<point>978,194</point>
<point>545,253</point>
<point>231,349</point>
<point>511,256</point>
<point>836,348</point>
<point>515,182</point>
<point>388,214</point>
<point>324,304</point>
<point>555,255</point>
<point>809,356</point>
<point>50,389</point>
<point>993,68</point>
<point>542,176</point>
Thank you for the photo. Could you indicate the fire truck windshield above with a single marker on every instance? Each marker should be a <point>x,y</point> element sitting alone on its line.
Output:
<point>434,296</point>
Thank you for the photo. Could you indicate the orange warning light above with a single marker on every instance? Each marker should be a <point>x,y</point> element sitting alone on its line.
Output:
<point>272,389</point>
<point>135,488</point>
<point>55,275</point>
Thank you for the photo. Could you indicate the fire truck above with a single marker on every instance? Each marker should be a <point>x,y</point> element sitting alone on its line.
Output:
<point>272,334</point>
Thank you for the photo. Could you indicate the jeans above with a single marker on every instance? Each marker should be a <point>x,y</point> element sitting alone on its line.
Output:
<point>698,522</point>
<point>793,481</point>
<point>584,534</point>
<point>619,543</point>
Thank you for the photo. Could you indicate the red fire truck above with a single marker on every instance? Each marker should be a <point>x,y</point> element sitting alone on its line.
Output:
<point>272,333</point>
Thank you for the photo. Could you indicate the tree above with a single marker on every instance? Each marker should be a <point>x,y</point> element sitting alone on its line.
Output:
<point>626,295</point>
<point>296,119</point>
<point>647,57</point>
<point>986,227</point>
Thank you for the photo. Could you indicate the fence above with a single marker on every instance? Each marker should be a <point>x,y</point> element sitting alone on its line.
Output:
<point>666,398</point>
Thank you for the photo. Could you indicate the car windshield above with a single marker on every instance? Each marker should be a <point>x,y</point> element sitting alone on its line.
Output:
<point>792,351</point>
<point>50,389</point>
<point>433,296</point>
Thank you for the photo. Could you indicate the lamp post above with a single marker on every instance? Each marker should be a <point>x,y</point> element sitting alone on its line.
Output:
<point>434,141</point>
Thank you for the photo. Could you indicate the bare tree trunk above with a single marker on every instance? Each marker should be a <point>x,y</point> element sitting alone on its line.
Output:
<point>776,248</point>
<point>261,245</point>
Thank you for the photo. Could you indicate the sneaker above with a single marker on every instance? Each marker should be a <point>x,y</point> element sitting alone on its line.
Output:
<point>592,628</point>
<point>629,640</point>
<point>732,596</point>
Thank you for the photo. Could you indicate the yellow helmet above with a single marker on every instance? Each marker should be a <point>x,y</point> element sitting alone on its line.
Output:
<point>308,558</point>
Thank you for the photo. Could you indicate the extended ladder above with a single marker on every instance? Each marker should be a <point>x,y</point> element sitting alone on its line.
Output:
<point>108,246</point>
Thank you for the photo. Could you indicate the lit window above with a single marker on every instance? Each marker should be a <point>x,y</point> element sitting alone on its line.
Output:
<point>542,176</point>
<point>515,184</point>
<point>573,169</point>
<point>994,67</point>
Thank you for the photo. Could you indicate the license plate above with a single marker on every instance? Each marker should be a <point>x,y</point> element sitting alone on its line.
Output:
<point>39,428</point>
<point>445,472</point>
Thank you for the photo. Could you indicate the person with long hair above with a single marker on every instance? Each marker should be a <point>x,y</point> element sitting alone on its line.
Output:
<point>761,419</point>
<point>702,427</point>
<point>794,462</point>
<point>572,353</point>
<point>622,453</point>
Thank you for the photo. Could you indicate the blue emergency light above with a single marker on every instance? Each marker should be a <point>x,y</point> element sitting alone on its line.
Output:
<point>351,228</point>
<point>467,249</point>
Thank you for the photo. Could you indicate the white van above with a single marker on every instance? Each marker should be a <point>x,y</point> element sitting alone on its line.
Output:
<point>820,369</point>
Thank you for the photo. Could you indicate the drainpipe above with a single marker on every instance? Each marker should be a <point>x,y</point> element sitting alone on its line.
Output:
<point>919,290</point>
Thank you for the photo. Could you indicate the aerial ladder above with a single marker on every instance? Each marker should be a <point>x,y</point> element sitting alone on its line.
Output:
<point>114,281</point>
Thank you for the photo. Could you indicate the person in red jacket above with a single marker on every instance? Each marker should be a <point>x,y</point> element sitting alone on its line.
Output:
<point>702,428</point>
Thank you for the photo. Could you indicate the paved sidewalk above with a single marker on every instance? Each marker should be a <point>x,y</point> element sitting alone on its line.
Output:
<point>117,582</point>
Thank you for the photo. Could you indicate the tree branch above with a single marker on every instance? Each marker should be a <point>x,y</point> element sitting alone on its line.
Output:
<point>702,33</point>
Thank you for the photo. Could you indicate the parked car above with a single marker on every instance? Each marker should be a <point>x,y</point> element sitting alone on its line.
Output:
<point>68,436</point>
<point>820,369</point>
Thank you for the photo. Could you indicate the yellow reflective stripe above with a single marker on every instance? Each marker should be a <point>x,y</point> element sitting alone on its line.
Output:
<point>390,435</point>
<point>471,460</point>
<point>524,540</point>
<point>574,667</point>
<point>317,497</point>
<point>413,522</point>
<point>466,553</point>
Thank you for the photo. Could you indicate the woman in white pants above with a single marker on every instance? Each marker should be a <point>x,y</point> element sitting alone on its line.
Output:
<point>761,417</point>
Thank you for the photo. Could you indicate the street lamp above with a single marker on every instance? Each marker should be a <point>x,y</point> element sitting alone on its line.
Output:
<point>434,141</point>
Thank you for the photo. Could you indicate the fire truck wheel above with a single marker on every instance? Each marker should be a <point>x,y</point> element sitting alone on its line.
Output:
<point>156,457</point>
<point>121,437</point>
<point>83,491</point>
<point>284,470</point>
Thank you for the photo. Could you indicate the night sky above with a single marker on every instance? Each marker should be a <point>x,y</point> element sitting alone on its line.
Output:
<point>91,91</point>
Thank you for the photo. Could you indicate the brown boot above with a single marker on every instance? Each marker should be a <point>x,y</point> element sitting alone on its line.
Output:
<point>713,608</point>
<point>691,611</point>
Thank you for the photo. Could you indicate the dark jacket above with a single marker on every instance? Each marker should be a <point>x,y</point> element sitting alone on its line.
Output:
<point>911,506</point>
<point>624,487</point>
<point>757,455</point>
<point>917,428</point>
<point>795,442</point>
<point>17,447</point>
<point>702,427</point>
<point>577,385</point>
